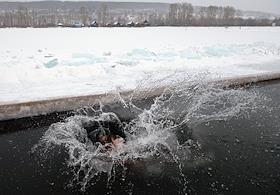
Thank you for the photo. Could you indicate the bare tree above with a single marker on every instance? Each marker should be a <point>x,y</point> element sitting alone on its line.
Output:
<point>180,14</point>
<point>190,12</point>
<point>202,16</point>
<point>185,13</point>
<point>173,14</point>
<point>212,13</point>
<point>229,14</point>
<point>103,14</point>
<point>84,16</point>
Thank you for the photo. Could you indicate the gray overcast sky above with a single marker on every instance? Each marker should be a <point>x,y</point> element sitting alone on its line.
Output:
<point>272,6</point>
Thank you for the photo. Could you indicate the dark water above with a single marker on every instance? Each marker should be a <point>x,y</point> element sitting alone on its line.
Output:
<point>237,156</point>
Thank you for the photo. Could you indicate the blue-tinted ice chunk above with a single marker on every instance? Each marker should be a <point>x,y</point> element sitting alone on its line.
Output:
<point>51,63</point>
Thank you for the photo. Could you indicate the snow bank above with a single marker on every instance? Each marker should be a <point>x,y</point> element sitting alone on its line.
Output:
<point>42,63</point>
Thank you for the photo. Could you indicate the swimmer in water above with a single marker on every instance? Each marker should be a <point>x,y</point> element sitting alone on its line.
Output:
<point>105,136</point>
<point>108,131</point>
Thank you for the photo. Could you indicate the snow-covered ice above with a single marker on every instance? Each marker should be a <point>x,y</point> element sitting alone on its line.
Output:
<point>43,63</point>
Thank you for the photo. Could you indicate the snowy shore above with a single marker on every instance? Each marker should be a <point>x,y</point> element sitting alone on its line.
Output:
<point>44,63</point>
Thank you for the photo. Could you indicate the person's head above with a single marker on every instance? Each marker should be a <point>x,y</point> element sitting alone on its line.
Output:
<point>103,136</point>
<point>103,139</point>
<point>110,138</point>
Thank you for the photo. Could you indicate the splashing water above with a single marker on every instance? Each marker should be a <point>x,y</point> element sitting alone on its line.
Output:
<point>161,134</point>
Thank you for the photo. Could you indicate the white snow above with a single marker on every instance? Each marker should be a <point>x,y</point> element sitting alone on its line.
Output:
<point>43,63</point>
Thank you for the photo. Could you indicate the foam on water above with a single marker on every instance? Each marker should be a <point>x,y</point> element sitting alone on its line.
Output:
<point>161,134</point>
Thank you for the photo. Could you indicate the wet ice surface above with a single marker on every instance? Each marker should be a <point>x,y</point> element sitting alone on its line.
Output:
<point>42,63</point>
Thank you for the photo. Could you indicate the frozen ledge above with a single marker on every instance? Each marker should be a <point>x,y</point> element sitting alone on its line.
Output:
<point>15,110</point>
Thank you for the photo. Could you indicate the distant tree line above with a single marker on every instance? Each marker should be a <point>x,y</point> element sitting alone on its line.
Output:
<point>179,14</point>
<point>182,14</point>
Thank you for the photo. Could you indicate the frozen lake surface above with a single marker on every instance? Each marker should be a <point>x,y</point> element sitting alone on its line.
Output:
<point>44,63</point>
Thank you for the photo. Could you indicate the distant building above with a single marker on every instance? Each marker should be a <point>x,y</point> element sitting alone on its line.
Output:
<point>130,24</point>
<point>146,23</point>
<point>78,25</point>
<point>138,24</point>
<point>273,24</point>
<point>276,21</point>
<point>60,24</point>
<point>94,24</point>
<point>142,24</point>
<point>109,25</point>
<point>117,24</point>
